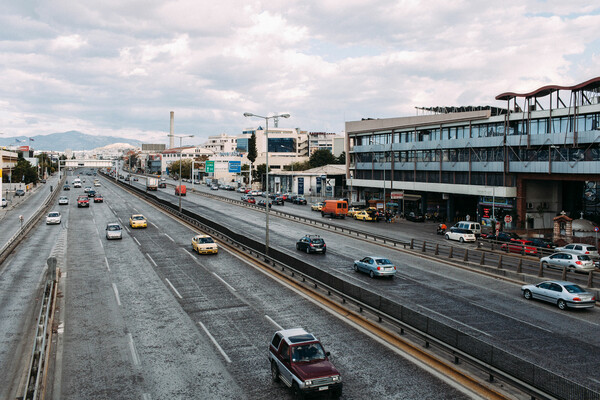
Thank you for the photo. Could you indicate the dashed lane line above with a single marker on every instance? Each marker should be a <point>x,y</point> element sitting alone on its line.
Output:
<point>173,287</point>
<point>225,356</point>
<point>273,322</point>
<point>114,285</point>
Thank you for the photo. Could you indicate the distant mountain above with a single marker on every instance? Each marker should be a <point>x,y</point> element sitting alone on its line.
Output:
<point>73,140</point>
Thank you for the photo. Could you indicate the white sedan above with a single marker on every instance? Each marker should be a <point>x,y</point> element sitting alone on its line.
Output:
<point>462,235</point>
<point>63,200</point>
<point>53,218</point>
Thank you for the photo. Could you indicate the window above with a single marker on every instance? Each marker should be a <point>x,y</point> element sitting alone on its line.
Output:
<point>276,340</point>
<point>285,347</point>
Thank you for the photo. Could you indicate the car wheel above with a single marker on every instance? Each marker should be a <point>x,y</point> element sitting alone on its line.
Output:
<point>371,274</point>
<point>527,294</point>
<point>562,304</point>
<point>447,237</point>
<point>461,240</point>
<point>307,250</point>
<point>356,267</point>
<point>298,394</point>
<point>297,247</point>
<point>274,372</point>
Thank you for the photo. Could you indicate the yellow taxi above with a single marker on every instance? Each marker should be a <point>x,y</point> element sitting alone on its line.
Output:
<point>204,244</point>
<point>317,206</point>
<point>138,221</point>
<point>363,215</point>
<point>352,211</point>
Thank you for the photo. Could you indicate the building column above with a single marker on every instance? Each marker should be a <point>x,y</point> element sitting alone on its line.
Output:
<point>521,203</point>
<point>450,208</point>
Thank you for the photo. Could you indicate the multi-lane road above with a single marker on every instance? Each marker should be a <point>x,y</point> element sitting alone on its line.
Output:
<point>145,318</point>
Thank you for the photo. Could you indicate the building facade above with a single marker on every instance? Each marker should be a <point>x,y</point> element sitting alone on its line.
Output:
<point>523,164</point>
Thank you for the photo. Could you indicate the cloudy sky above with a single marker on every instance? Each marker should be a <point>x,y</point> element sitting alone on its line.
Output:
<point>118,67</point>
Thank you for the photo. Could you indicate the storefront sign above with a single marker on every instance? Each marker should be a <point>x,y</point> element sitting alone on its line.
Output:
<point>300,185</point>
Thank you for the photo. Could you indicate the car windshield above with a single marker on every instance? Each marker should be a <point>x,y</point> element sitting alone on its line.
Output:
<point>383,261</point>
<point>205,240</point>
<point>584,257</point>
<point>574,289</point>
<point>113,228</point>
<point>137,218</point>
<point>53,214</point>
<point>308,353</point>
<point>592,248</point>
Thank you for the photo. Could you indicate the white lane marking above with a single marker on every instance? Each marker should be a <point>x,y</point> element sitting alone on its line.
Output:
<point>116,293</point>
<point>135,209</point>
<point>190,254</point>
<point>136,360</point>
<point>100,240</point>
<point>215,342</point>
<point>137,241</point>
<point>126,228</point>
<point>94,221</point>
<point>106,262</point>
<point>151,223</point>
<point>454,320</point>
<point>151,260</point>
<point>120,220</point>
<point>169,237</point>
<point>595,380</point>
<point>274,323</point>
<point>508,316</point>
<point>173,287</point>
<point>226,284</point>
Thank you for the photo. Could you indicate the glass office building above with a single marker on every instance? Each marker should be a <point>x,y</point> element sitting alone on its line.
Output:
<point>536,157</point>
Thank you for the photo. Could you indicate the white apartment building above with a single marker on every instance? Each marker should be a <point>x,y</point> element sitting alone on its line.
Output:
<point>169,156</point>
<point>286,146</point>
<point>325,140</point>
<point>221,144</point>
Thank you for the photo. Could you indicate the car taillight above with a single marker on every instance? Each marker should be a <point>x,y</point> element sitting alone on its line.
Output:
<point>394,268</point>
<point>378,268</point>
<point>312,245</point>
<point>578,262</point>
<point>576,299</point>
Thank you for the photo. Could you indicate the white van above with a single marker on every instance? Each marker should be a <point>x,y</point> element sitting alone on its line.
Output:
<point>76,183</point>
<point>475,227</point>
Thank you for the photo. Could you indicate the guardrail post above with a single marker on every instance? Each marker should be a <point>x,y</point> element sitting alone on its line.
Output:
<point>466,257</point>
<point>541,271</point>
<point>564,274</point>
<point>451,251</point>
<point>412,244</point>
<point>437,249</point>
<point>424,246</point>
<point>500,262</point>
<point>492,246</point>
<point>482,260</point>
<point>520,266</point>
<point>590,282</point>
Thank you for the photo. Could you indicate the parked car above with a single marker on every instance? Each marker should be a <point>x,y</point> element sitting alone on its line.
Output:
<point>334,209</point>
<point>98,198</point>
<point>53,217</point>
<point>462,235</point>
<point>575,262</point>
<point>114,231</point>
<point>311,244</point>
<point>278,201</point>
<point>352,211</point>
<point>520,246</point>
<point>299,200</point>
<point>474,227</point>
<point>299,360</point>
<point>204,244</point>
<point>19,192</point>
<point>83,201</point>
<point>263,203</point>
<point>214,187</point>
<point>367,215</point>
<point>63,200</point>
<point>563,294</point>
<point>542,243</point>
<point>138,221</point>
<point>375,266</point>
<point>503,237</point>
<point>580,248</point>
<point>241,189</point>
<point>415,217</point>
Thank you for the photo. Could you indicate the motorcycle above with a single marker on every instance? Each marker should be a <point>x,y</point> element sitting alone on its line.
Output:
<point>440,231</point>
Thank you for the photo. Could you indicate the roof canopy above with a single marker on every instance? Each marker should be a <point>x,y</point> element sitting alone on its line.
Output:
<point>589,85</point>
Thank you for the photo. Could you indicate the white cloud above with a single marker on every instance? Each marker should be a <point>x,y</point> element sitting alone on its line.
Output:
<point>119,67</point>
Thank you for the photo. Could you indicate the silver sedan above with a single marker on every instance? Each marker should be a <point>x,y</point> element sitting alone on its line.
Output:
<point>575,262</point>
<point>562,293</point>
<point>375,266</point>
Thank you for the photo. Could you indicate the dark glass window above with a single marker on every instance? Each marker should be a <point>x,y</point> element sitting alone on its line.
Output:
<point>282,145</point>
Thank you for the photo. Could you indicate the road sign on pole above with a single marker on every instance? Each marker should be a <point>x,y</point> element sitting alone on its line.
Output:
<point>210,166</point>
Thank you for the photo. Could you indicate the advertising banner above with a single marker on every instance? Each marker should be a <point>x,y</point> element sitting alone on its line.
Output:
<point>300,185</point>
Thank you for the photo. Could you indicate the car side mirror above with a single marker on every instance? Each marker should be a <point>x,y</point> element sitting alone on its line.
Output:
<point>328,354</point>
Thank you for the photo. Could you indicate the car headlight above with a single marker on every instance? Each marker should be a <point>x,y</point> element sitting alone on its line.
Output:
<point>336,378</point>
<point>308,383</point>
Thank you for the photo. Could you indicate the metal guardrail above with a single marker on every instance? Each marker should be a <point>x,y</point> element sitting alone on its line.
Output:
<point>531,379</point>
<point>12,243</point>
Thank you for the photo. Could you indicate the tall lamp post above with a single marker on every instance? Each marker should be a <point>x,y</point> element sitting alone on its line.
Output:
<point>247,114</point>
<point>180,151</point>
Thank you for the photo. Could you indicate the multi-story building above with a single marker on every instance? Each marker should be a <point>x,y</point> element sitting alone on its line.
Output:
<point>529,162</point>
<point>325,141</point>
<point>286,146</point>
<point>222,144</point>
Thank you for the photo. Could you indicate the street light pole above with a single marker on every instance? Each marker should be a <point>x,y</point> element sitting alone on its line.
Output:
<point>180,151</point>
<point>247,114</point>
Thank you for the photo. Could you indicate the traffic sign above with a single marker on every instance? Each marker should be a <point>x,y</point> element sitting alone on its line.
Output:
<point>596,229</point>
<point>235,166</point>
<point>210,166</point>
<point>508,219</point>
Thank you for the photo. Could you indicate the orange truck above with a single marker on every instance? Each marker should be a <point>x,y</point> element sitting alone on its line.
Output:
<point>335,208</point>
<point>180,190</point>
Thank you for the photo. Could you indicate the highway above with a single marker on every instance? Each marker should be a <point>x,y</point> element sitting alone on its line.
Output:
<point>144,318</point>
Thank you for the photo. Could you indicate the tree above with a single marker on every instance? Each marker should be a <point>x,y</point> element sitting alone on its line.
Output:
<point>24,172</point>
<point>297,166</point>
<point>321,157</point>
<point>252,152</point>
<point>259,172</point>
<point>186,168</point>
<point>341,159</point>
<point>245,169</point>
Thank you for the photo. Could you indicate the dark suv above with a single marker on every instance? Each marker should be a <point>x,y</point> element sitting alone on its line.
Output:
<point>311,244</point>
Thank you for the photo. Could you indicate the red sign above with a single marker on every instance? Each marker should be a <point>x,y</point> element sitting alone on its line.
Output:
<point>508,219</point>
<point>23,148</point>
